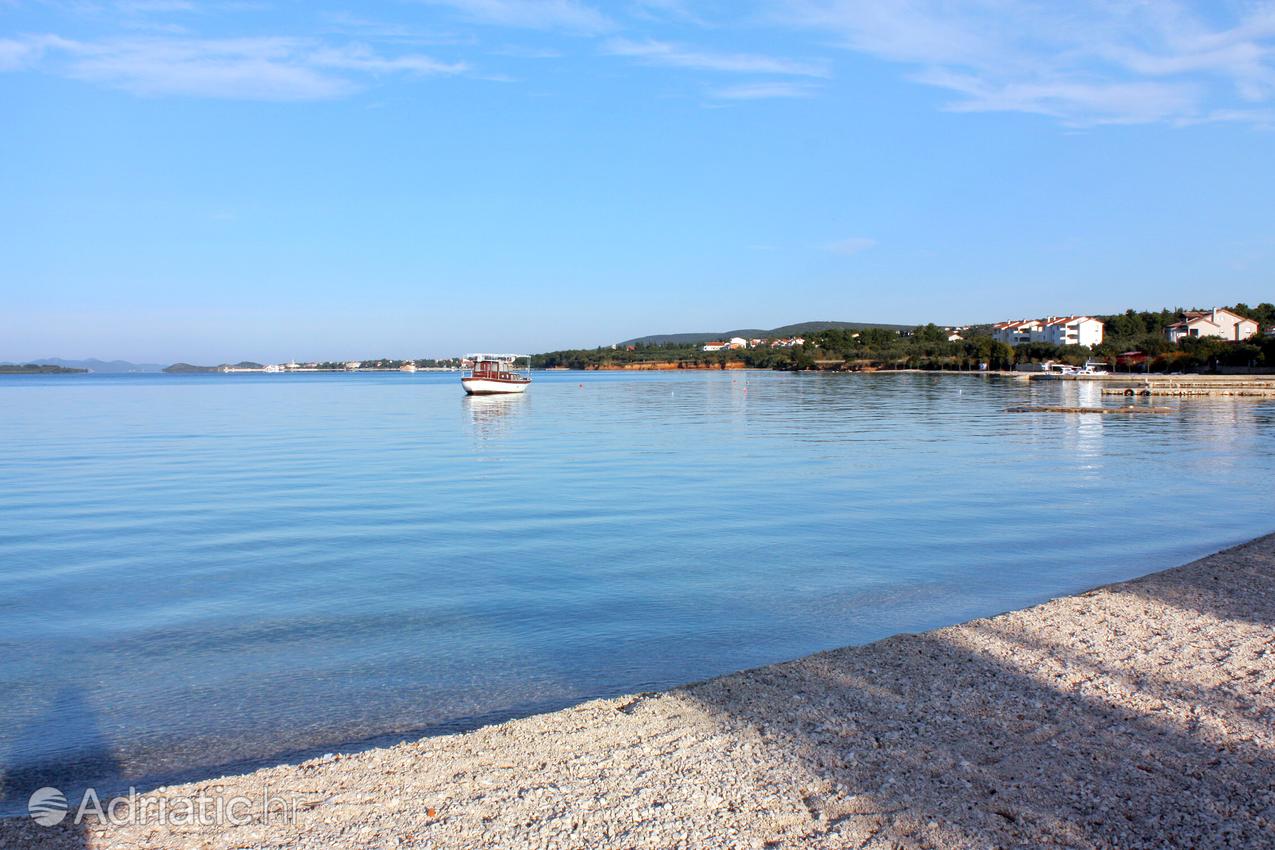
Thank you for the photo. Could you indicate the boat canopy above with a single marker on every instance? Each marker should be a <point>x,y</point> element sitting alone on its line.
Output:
<point>503,358</point>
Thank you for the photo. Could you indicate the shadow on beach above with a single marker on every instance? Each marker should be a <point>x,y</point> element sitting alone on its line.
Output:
<point>68,717</point>
<point>1139,715</point>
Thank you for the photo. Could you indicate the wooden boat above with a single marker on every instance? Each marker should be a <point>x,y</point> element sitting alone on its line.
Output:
<point>495,374</point>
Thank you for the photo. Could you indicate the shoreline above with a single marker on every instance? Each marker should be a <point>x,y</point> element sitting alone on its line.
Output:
<point>1140,713</point>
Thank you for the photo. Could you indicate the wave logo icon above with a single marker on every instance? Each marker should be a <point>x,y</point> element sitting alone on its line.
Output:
<point>47,806</point>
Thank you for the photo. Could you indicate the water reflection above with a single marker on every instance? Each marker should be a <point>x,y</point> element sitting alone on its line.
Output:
<point>1088,393</point>
<point>491,415</point>
<point>1228,431</point>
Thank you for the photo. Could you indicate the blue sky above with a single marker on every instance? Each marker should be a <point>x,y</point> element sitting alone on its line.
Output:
<point>264,180</point>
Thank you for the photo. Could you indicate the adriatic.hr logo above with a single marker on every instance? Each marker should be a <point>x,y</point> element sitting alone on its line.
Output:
<point>47,806</point>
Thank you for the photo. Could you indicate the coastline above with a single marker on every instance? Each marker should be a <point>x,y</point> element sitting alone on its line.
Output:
<point>1137,714</point>
<point>668,366</point>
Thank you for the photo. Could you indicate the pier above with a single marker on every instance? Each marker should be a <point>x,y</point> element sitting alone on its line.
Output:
<point>1193,385</point>
<point>1102,410</point>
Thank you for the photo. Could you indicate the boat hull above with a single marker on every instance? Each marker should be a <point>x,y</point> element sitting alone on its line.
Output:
<point>491,386</point>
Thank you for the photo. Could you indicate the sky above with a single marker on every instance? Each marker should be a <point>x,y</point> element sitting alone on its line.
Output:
<point>217,181</point>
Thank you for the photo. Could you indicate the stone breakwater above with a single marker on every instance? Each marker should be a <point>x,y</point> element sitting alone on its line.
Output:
<point>1139,714</point>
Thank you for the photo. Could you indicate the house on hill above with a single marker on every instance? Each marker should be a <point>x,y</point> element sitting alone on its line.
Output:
<point>1218,322</point>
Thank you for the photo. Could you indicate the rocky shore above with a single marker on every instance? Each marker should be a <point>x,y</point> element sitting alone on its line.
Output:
<point>1140,714</point>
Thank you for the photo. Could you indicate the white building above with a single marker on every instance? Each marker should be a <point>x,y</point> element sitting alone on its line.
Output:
<point>715,346</point>
<point>1218,322</point>
<point>738,342</point>
<point>1070,330</point>
<point>1054,330</point>
<point>1016,333</point>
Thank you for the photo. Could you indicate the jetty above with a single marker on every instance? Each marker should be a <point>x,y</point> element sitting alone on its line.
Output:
<point>1193,385</point>
<point>1046,408</point>
<point>1139,714</point>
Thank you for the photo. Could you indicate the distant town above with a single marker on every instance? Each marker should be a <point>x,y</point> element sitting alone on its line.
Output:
<point>381,365</point>
<point>1219,322</point>
<point>1220,338</point>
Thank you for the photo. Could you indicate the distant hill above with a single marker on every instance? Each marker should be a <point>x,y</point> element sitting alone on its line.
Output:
<point>95,365</point>
<point>750,333</point>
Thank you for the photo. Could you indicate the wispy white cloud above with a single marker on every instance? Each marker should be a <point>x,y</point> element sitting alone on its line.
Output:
<point>117,9</point>
<point>851,245</point>
<point>20,53</point>
<point>1262,118</point>
<point>1085,62</point>
<point>679,56</point>
<point>763,91</point>
<point>676,10</point>
<point>361,58</point>
<point>1079,102</point>
<point>149,7</point>
<point>15,54</point>
<point>518,51</point>
<point>259,68</point>
<point>380,31</point>
<point>569,15</point>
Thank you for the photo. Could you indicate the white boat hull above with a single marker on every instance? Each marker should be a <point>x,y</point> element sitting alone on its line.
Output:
<point>487,386</point>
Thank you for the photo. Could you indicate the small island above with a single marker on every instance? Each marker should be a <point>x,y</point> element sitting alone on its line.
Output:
<point>37,369</point>
<point>187,368</point>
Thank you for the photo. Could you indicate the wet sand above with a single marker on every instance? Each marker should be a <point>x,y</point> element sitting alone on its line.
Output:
<point>1140,714</point>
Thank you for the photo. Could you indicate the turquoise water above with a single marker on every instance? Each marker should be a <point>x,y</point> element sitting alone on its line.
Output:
<point>202,573</point>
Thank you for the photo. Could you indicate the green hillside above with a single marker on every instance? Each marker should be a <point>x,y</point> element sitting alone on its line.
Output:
<point>750,333</point>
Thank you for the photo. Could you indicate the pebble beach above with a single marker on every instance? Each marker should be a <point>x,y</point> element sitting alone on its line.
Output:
<point>1140,714</point>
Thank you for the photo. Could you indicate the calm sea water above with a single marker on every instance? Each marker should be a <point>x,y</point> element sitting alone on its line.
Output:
<point>204,573</point>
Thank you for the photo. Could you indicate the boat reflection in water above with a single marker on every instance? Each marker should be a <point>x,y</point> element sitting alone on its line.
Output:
<point>492,414</point>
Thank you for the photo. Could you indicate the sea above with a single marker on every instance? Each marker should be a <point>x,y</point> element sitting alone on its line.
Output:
<point>202,574</point>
